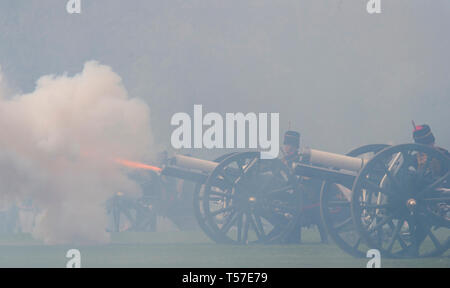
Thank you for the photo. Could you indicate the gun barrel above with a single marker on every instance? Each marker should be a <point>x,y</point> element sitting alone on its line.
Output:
<point>332,160</point>
<point>342,177</point>
<point>188,162</point>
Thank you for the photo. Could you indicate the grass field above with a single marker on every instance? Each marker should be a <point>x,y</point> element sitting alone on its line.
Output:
<point>189,249</point>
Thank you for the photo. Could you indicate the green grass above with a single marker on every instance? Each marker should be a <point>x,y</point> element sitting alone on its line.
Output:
<point>189,249</point>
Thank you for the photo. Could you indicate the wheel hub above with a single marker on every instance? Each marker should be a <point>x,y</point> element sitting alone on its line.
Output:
<point>411,204</point>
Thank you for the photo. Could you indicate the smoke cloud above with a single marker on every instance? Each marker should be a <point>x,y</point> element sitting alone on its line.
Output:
<point>339,75</point>
<point>57,149</point>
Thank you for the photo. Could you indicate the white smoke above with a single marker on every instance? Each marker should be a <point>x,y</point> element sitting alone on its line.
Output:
<point>57,149</point>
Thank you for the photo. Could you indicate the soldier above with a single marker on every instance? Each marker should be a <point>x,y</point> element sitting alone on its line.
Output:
<point>310,211</point>
<point>422,135</point>
<point>291,144</point>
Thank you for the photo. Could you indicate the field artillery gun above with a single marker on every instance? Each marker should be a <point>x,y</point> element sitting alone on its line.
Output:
<point>395,199</point>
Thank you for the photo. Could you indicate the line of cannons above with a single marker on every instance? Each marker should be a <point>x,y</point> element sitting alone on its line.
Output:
<point>392,198</point>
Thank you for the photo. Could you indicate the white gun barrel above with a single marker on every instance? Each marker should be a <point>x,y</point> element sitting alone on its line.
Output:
<point>332,160</point>
<point>194,163</point>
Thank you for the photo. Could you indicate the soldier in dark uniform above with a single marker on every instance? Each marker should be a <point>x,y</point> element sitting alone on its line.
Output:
<point>310,211</point>
<point>422,135</point>
<point>291,144</point>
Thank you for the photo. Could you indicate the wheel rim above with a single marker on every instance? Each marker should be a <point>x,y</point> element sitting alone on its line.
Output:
<point>198,205</point>
<point>400,203</point>
<point>335,208</point>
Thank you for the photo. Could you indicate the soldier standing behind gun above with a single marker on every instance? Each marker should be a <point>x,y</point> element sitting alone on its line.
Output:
<point>422,135</point>
<point>310,211</point>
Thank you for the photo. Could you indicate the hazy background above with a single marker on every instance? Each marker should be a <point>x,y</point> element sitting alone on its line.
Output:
<point>341,76</point>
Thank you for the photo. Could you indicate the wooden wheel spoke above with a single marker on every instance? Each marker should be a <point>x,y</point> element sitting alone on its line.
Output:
<point>227,178</point>
<point>374,206</point>
<point>391,177</point>
<point>239,227</point>
<point>274,219</point>
<point>280,190</point>
<point>246,228</point>
<point>367,184</point>
<point>433,238</point>
<point>343,224</point>
<point>219,193</point>
<point>381,224</point>
<point>215,198</point>
<point>284,207</point>
<point>408,158</point>
<point>440,199</point>
<point>435,184</point>
<point>427,164</point>
<point>260,225</point>
<point>358,242</point>
<point>402,243</point>
<point>240,163</point>
<point>230,221</point>
<point>223,183</point>
<point>255,227</point>
<point>341,203</point>
<point>395,234</point>
<point>252,166</point>
<point>222,210</point>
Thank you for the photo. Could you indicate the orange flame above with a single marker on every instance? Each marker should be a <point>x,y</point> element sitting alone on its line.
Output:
<point>137,165</point>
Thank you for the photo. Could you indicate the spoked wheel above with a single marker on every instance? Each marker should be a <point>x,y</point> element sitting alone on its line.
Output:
<point>131,214</point>
<point>401,200</point>
<point>198,204</point>
<point>335,208</point>
<point>250,200</point>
